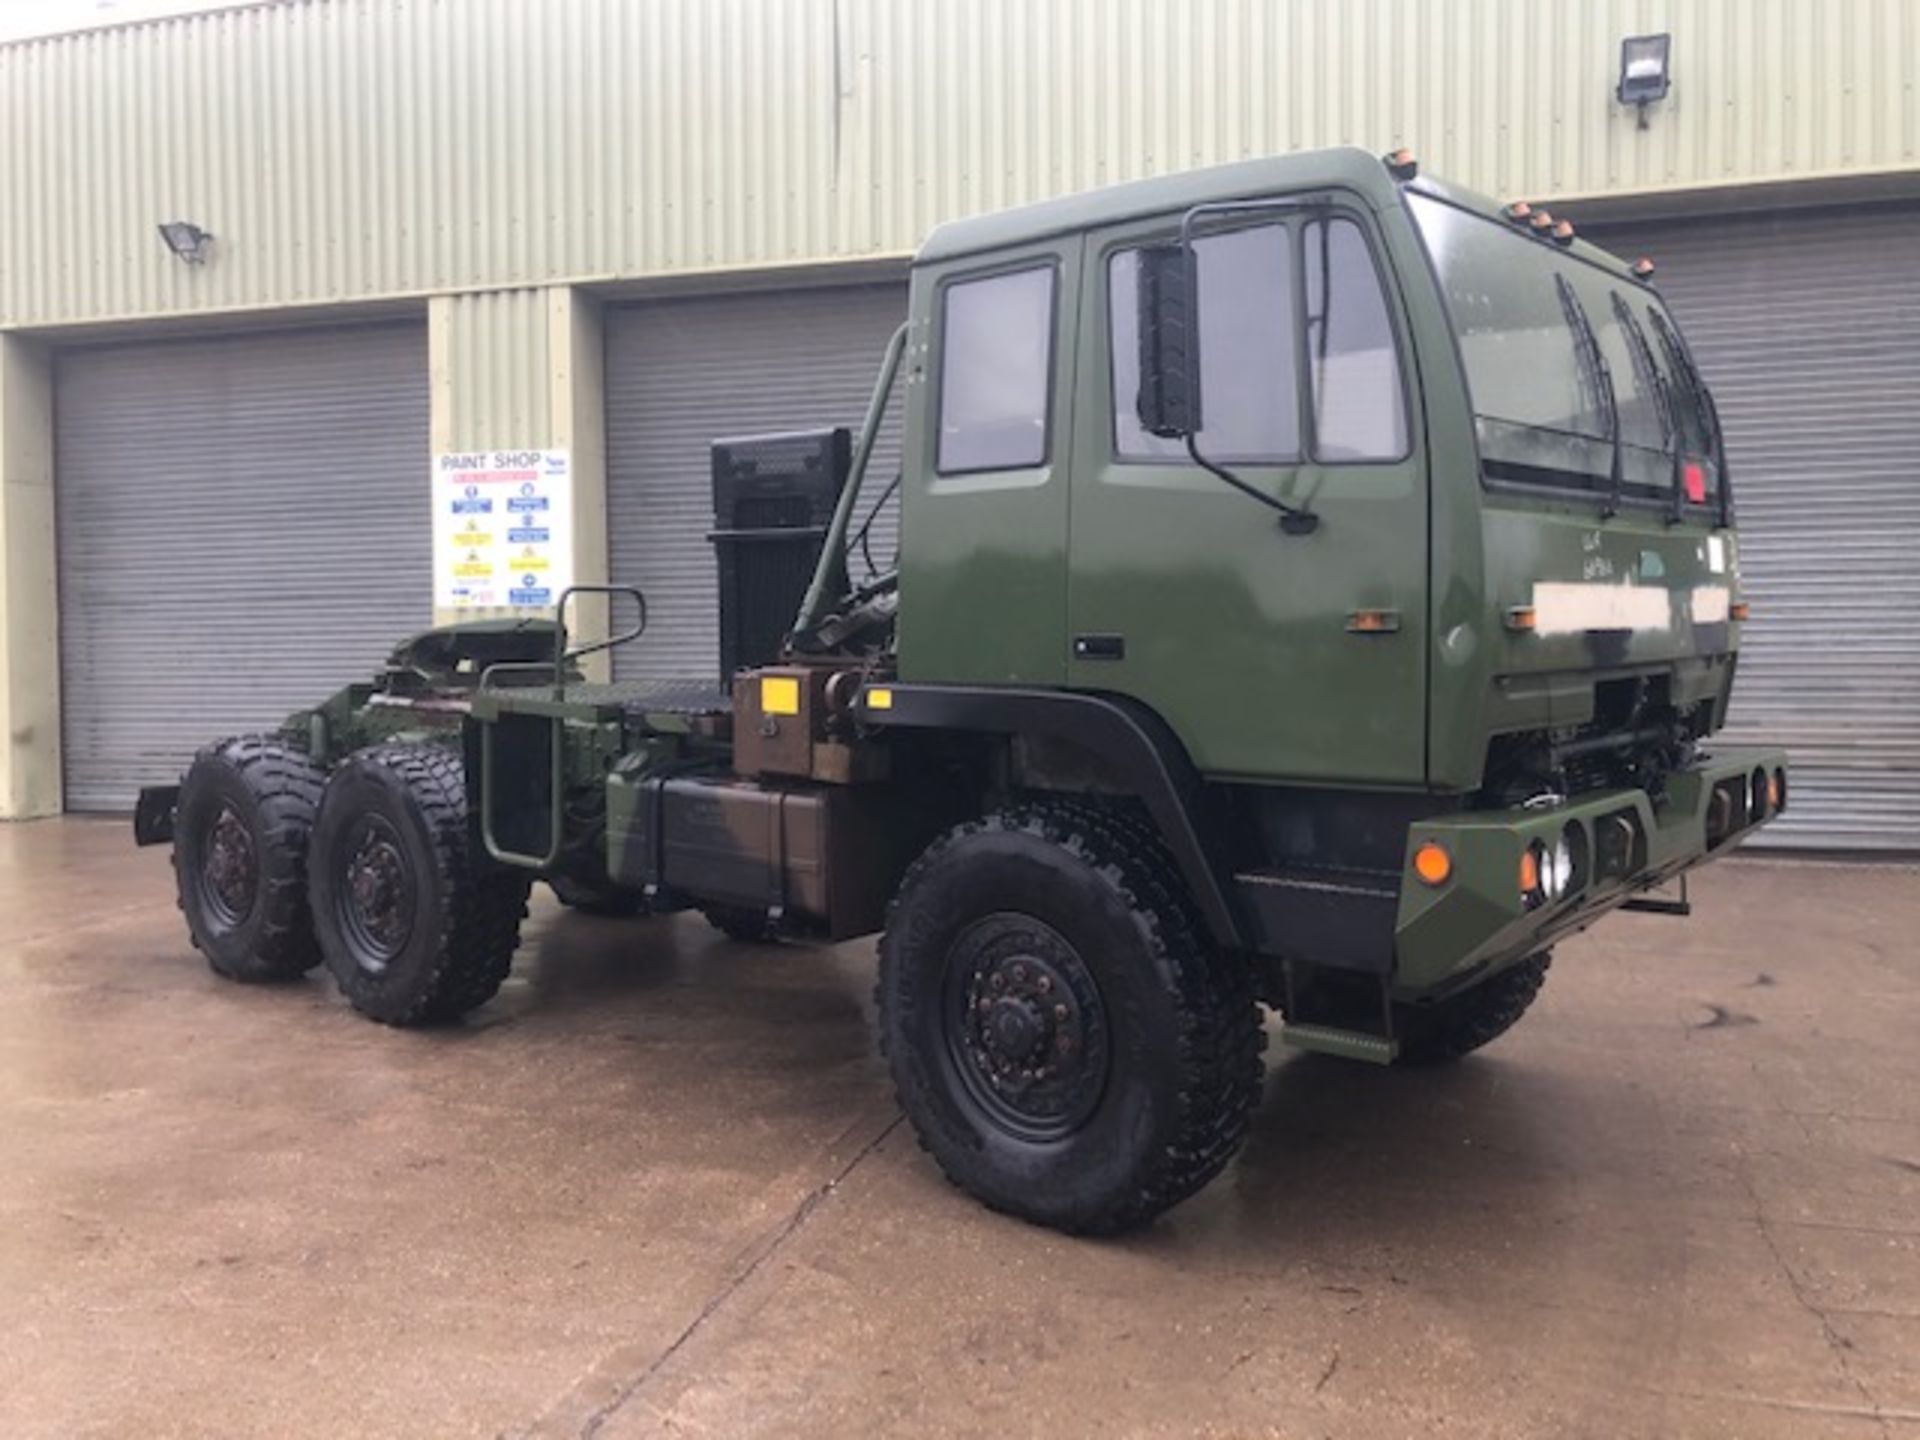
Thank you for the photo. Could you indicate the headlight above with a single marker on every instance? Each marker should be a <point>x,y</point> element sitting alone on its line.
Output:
<point>1559,870</point>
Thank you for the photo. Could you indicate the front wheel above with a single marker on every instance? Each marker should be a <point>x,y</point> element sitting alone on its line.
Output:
<point>612,902</point>
<point>1065,1043</point>
<point>414,926</point>
<point>1459,1025</point>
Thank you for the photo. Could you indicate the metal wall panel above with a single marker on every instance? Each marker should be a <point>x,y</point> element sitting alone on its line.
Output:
<point>1808,328</point>
<point>242,529</point>
<point>350,149</point>
<point>493,367</point>
<point>683,373</point>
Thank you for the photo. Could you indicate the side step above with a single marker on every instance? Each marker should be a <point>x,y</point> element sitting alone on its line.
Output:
<point>1347,1044</point>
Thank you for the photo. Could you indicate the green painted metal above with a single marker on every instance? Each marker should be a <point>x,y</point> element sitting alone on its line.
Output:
<point>1477,922</point>
<point>1236,632</point>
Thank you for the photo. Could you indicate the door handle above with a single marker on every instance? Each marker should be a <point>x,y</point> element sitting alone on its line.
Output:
<point>1099,647</point>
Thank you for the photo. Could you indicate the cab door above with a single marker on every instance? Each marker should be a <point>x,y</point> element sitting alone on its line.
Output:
<point>1273,655</point>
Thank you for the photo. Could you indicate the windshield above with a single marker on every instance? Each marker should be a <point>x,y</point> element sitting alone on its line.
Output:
<point>1546,396</point>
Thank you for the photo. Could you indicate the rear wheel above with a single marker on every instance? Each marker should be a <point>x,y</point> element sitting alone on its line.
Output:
<point>1067,1046</point>
<point>241,828</point>
<point>590,899</point>
<point>414,926</point>
<point>1461,1024</point>
<point>748,924</point>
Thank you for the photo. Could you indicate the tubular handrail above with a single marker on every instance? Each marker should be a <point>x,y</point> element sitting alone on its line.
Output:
<point>830,580</point>
<point>563,656</point>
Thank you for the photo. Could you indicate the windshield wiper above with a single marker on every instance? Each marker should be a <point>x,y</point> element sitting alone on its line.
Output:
<point>1647,373</point>
<point>1706,414</point>
<point>1593,366</point>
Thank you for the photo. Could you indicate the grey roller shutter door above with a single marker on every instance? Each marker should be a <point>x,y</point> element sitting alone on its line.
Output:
<point>682,373</point>
<point>243,528</point>
<point>1808,328</point>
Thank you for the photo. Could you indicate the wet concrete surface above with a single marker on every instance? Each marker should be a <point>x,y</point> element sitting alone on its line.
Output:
<point>659,1188</point>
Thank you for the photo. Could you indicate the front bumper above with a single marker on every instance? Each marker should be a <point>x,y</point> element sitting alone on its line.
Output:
<point>1620,843</point>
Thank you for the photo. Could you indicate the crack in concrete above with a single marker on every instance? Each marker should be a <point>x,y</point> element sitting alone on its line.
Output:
<point>1836,1343</point>
<point>763,1251</point>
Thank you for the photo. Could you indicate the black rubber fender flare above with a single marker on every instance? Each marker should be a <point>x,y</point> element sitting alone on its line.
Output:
<point>1139,747</point>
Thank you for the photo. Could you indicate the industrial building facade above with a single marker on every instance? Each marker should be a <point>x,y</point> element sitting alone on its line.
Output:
<point>606,231</point>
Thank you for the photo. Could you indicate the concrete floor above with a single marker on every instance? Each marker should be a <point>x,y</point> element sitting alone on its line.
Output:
<point>658,1187</point>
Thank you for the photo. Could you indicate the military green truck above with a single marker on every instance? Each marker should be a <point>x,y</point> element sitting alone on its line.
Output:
<point>1316,590</point>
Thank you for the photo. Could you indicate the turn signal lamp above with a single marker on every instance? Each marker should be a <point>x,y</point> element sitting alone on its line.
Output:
<point>1739,610</point>
<point>1529,870</point>
<point>1522,618</point>
<point>1777,791</point>
<point>1432,864</point>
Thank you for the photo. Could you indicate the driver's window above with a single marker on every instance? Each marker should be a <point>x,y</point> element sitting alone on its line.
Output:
<point>1249,403</point>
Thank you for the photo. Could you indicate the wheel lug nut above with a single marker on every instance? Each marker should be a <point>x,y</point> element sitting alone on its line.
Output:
<point>1044,983</point>
<point>1020,972</point>
<point>1059,1012</point>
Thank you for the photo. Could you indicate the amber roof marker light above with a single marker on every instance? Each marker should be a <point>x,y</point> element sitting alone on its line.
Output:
<point>1401,164</point>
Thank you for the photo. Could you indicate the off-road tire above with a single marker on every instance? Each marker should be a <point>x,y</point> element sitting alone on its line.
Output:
<point>744,923</point>
<point>1461,1024</point>
<point>611,902</point>
<point>1182,1032</point>
<point>430,932</point>
<point>264,792</point>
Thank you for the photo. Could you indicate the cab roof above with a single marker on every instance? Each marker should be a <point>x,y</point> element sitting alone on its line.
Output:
<point>1346,167</point>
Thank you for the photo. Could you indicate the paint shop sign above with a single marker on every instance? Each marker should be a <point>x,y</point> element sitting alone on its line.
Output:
<point>502,529</point>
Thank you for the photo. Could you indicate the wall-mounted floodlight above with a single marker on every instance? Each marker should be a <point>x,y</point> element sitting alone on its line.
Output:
<point>1646,71</point>
<point>186,240</point>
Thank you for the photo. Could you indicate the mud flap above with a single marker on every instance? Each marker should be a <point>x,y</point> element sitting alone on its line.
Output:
<point>153,814</point>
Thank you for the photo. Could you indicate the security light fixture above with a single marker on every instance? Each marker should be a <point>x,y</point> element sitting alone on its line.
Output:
<point>186,240</point>
<point>1645,71</point>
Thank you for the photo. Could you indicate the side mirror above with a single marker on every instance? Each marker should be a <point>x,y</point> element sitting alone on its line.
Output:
<point>1169,308</point>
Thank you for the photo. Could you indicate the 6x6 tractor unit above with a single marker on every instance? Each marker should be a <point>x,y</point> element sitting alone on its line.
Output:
<point>1317,590</point>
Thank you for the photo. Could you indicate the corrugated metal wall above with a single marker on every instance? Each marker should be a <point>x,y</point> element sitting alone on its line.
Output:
<point>492,369</point>
<point>344,149</point>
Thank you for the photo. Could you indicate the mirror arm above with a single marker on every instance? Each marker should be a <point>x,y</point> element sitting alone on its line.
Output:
<point>1292,519</point>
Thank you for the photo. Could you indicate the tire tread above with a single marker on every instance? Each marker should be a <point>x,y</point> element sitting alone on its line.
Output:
<point>1221,1039</point>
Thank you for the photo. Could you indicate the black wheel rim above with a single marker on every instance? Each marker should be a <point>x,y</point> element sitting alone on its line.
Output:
<point>375,897</point>
<point>1025,1028</point>
<point>229,869</point>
